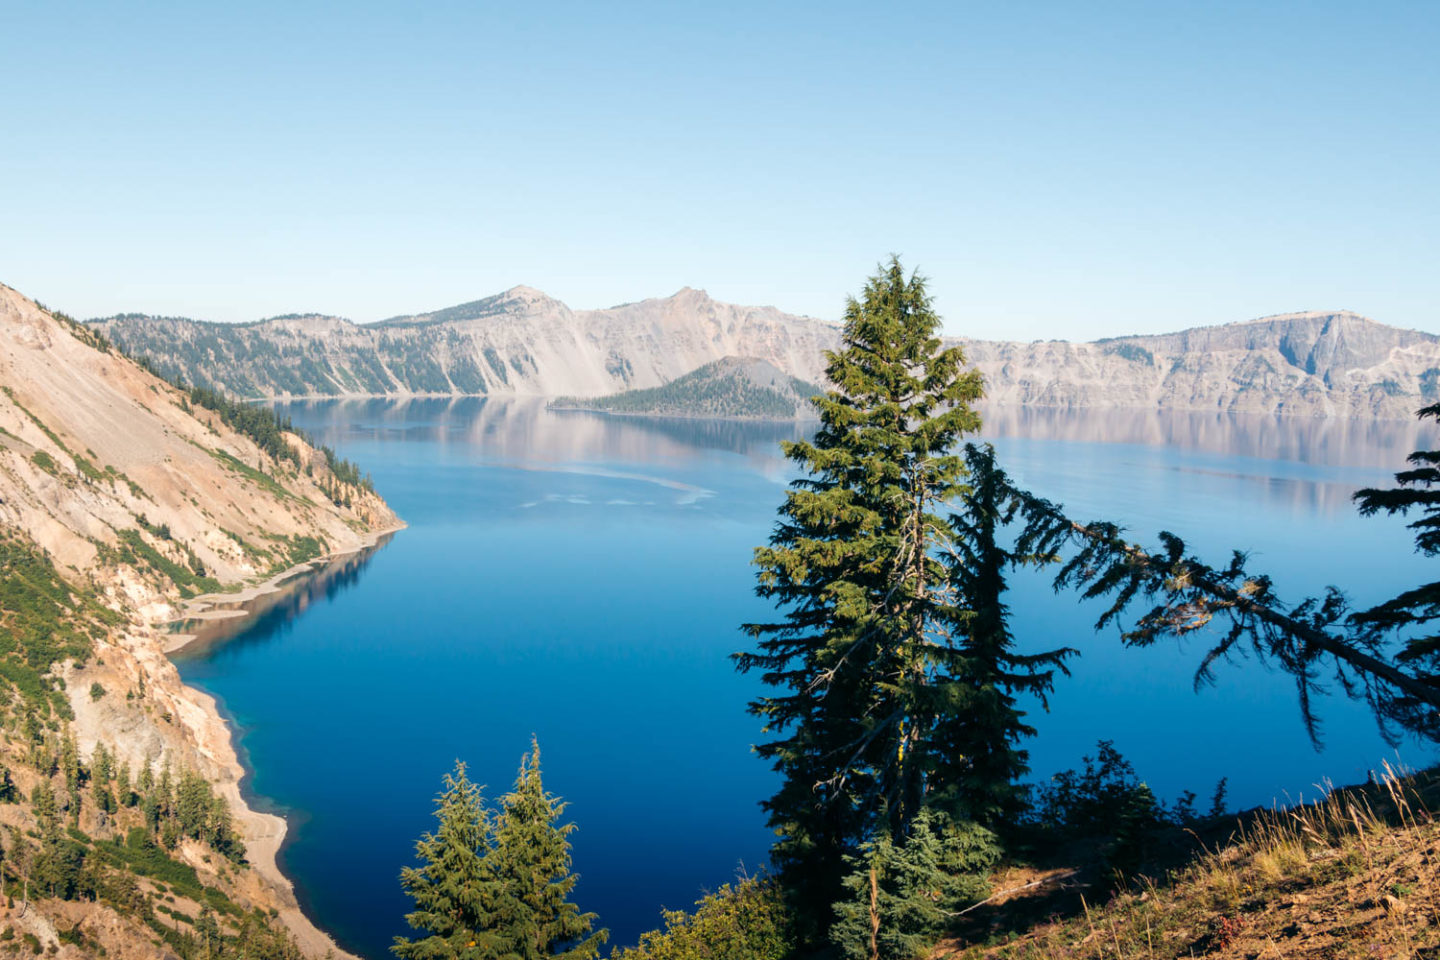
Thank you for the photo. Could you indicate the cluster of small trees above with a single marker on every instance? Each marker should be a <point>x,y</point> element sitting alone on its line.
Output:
<point>171,807</point>
<point>267,429</point>
<point>495,883</point>
<point>261,424</point>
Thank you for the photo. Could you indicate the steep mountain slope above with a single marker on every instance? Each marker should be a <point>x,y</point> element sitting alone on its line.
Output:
<point>520,342</point>
<point>523,342</point>
<point>119,498</point>
<point>741,388</point>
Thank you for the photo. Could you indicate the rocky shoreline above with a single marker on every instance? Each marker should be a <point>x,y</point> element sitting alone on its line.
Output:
<point>264,833</point>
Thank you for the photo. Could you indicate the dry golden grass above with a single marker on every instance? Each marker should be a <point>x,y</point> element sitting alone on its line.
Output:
<point>1356,874</point>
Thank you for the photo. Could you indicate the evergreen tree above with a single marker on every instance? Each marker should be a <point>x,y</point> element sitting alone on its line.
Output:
<point>220,831</point>
<point>870,657</point>
<point>58,862</point>
<point>530,866</point>
<point>102,765</point>
<point>193,802</point>
<point>122,785</point>
<point>451,888</point>
<point>70,762</point>
<point>977,760</point>
<point>1420,606</point>
<point>901,897</point>
<point>1318,637</point>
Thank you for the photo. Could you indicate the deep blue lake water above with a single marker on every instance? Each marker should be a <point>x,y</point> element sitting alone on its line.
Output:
<point>582,578</point>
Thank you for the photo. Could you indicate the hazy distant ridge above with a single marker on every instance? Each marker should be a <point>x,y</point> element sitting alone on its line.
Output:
<point>522,342</point>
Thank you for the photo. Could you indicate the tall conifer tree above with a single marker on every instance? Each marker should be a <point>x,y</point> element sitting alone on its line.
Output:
<point>530,865</point>
<point>978,723</point>
<point>853,561</point>
<point>452,890</point>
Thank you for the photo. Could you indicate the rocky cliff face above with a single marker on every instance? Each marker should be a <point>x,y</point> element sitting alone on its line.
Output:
<point>518,343</point>
<point>525,343</point>
<point>1310,364</point>
<point>119,499</point>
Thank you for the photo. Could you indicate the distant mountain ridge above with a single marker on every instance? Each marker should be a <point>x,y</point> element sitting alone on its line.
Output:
<point>519,342</point>
<point>523,342</point>
<point>732,388</point>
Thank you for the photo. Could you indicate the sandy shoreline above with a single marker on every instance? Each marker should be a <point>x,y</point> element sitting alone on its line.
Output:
<point>264,833</point>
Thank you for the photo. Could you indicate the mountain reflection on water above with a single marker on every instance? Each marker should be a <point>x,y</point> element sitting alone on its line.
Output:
<point>266,618</point>
<point>1323,441</point>
<point>1333,456</point>
<point>524,428</point>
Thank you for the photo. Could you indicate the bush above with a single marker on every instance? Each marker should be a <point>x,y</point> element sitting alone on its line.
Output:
<point>45,462</point>
<point>912,889</point>
<point>745,922</point>
<point>1095,801</point>
<point>1106,803</point>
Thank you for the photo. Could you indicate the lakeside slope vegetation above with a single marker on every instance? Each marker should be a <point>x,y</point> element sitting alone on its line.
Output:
<point>122,829</point>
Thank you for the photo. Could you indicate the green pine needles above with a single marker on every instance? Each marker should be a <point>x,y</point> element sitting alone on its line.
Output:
<point>893,678</point>
<point>495,885</point>
<point>900,898</point>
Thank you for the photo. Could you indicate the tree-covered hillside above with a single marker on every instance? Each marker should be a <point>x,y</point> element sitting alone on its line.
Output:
<point>734,388</point>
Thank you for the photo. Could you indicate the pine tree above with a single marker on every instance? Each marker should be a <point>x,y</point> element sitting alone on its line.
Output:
<point>854,562</point>
<point>977,762</point>
<point>122,785</point>
<point>900,897</point>
<point>1419,606</point>
<point>451,889</point>
<point>530,865</point>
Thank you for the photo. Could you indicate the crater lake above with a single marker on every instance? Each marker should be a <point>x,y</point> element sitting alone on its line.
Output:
<point>582,578</point>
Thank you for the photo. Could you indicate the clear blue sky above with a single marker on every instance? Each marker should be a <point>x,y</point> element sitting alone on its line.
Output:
<point>1057,169</point>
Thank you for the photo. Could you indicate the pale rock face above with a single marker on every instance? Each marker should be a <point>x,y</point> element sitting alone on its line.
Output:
<point>1309,364</point>
<point>524,343</point>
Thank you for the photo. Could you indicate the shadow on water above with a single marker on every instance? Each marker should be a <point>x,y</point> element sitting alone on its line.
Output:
<point>268,617</point>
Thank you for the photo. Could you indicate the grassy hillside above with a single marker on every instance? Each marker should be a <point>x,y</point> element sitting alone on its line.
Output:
<point>1356,874</point>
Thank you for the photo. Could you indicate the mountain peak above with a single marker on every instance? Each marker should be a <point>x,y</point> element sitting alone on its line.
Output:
<point>528,294</point>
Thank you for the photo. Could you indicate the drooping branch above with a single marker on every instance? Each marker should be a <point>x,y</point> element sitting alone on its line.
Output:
<point>1193,593</point>
<point>1188,595</point>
